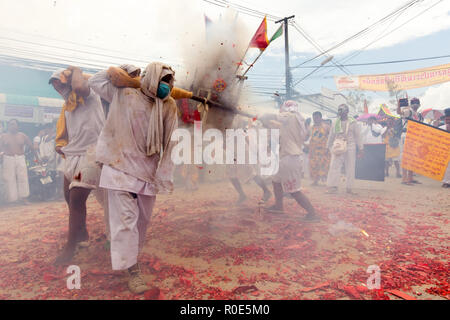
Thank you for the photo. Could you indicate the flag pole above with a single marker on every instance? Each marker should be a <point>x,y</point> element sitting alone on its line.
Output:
<point>262,51</point>
<point>243,57</point>
<point>250,43</point>
<point>251,65</point>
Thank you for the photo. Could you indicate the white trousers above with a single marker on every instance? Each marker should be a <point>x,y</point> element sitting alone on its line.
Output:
<point>347,159</point>
<point>290,173</point>
<point>128,221</point>
<point>101,195</point>
<point>16,177</point>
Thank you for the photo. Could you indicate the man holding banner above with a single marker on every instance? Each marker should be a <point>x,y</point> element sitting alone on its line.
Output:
<point>408,112</point>
<point>427,150</point>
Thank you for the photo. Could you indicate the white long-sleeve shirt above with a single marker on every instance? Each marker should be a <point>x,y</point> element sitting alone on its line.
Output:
<point>122,143</point>
<point>368,136</point>
<point>353,137</point>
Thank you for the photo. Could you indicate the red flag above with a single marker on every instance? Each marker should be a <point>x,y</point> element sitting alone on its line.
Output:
<point>260,39</point>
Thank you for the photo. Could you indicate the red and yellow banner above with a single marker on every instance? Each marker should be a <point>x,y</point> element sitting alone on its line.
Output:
<point>426,150</point>
<point>260,39</point>
<point>399,81</point>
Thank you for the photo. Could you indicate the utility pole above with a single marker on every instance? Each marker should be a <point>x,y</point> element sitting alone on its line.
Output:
<point>286,59</point>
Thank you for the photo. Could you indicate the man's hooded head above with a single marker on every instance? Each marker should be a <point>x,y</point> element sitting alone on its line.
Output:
<point>157,80</point>
<point>60,82</point>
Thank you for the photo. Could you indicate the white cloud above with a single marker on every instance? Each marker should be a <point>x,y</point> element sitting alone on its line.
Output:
<point>437,97</point>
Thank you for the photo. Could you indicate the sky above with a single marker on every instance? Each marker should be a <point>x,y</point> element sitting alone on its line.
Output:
<point>99,33</point>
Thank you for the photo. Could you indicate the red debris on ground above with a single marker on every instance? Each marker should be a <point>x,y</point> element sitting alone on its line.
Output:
<point>201,246</point>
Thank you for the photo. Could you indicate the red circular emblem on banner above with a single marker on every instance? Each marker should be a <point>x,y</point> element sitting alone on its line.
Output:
<point>219,85</point>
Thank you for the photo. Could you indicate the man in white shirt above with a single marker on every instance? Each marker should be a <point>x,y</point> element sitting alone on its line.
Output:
<point>373,132</point>
<point>135,150</point>
<point>409,112</point>
<point>83,122</point>
<point>288,178</point>
<point>346,131</point>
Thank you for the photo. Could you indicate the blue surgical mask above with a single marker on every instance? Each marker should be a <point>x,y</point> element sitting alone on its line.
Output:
<point>163,90</point>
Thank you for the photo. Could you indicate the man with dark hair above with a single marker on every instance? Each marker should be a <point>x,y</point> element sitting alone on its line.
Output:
<point>12,146</point>
<point>78,128</point>
<point>409,112</point>
<point>342,142</point>
<point>373,132</point>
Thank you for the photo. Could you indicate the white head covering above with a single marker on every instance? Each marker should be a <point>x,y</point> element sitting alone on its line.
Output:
<point>151,77</point>
<point>57,76</point>
<point>293,107</point>
<point>290,106</point>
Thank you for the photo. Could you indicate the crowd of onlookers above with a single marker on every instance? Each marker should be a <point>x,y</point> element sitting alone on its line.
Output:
<point>19,153</point>
<point>388,129</point>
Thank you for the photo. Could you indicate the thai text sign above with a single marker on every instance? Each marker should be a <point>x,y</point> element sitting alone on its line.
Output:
<point>426,150</point>
<point>418,78</point>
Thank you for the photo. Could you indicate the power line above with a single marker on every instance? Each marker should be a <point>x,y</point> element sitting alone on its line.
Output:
<point>235,5</point>
<point>365,30</point>
<point>383,36</point>
<point>315,44</point>
<point>74,43</point>
<point>48,66</point>
<point>69,49</point>
<point>243,9</point>
<point>58,56</point>
<point>380,62</point>
<point>339,65</point>
<point>310,40</point>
